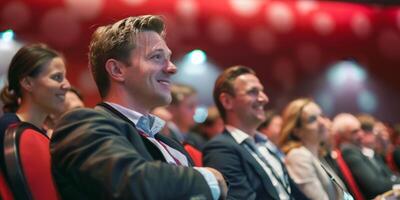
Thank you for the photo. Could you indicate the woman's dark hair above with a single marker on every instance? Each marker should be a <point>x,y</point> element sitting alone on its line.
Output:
<point>28,61</point>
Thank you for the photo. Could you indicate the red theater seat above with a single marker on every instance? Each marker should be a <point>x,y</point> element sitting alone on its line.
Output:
<point>5,192</point>
<point>348,176</point>
<point>27,159</point>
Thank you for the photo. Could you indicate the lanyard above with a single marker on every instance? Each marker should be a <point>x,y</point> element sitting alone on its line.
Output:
<point>284,183</point>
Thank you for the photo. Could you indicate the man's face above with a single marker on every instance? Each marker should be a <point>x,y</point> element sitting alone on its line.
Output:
<point>353,133</point>
<point>249,99</point>
<point>185,111</point>
<point>147,80</point>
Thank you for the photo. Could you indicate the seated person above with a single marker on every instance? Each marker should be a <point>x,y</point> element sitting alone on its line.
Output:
<point>369,175</point>
<point>115,151</point>
<point>303,130</point>
<point>36,87</point>
<point>241,153</point>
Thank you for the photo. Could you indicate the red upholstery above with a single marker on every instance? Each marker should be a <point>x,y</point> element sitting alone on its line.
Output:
<point>5,192</point>
<point>195,154</point>
<point>30,176</point>
<point>348,176</point>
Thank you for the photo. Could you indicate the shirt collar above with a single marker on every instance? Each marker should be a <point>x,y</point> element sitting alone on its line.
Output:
<point>237,134</point>
<point>240,136</point>
<point>148,124</point>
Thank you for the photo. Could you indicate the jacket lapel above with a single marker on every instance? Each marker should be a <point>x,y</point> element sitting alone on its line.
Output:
<point>246,155</point>
<point>175,145</point>
<point>153,149</point>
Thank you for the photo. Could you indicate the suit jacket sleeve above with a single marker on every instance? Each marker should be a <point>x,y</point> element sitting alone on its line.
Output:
<point>225,159</point>
<point>104,158</point>
<point>371,183</point>
<point>302,170</point>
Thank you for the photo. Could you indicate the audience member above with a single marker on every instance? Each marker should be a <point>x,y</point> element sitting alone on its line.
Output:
<point>115,151</point>
<point>73,100</point>
<point>271,127</point>
<point>303,130</point>
<point>241,153</point>
<point>212,126</point>
<point>370,176</point>
<point>36,87</point>
<point>182,108</point>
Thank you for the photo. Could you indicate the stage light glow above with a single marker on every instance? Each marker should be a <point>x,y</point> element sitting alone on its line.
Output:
<point>345,74</point>
<point>367,101</point>
<point>197,57</point>
<point>7,35</point>
<point>201,114</point>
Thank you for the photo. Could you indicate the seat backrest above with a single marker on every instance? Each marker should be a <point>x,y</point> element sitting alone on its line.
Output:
<point>5,192</point>
<point>195,154</point>
<point>348,176</point>
<point>27,159</point>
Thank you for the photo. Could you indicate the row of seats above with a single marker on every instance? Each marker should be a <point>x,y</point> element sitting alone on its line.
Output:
<point>27,162</point>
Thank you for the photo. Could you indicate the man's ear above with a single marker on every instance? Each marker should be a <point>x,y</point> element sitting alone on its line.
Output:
<point>115,69</point>
<point>226,100</point>
<point>26,83</point>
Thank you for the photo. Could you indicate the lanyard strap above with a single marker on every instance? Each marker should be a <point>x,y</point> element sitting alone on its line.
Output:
<point>284,183</point>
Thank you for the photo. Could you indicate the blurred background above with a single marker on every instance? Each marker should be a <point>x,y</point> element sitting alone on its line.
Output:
<point>344,54</point>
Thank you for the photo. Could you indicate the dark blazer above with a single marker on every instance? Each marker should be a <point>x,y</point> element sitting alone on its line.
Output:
<point>372,179</point>
<point>98,154</point>
<point>245,176</point>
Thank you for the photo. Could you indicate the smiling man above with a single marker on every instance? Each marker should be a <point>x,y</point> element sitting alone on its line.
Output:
<point>252,169</point>
<point>115,151</point>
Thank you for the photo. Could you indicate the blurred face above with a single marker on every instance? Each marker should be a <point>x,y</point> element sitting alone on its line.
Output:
<point>273,129</point>
<point>50,86</point>
<point>382,137</point>
<point>72,101</point>
<point>353,133</point>
<point>147,80</point>
<point>249,100</point>
<point>312,124</point>
<point>368,139</point>
<point>185,110</point>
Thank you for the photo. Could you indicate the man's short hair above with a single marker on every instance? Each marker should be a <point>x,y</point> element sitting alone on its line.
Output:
<point>367,122</point>
<point>341,122</point>
<point>224,84</point>
<point>180,91</point>
<point>117,41</point>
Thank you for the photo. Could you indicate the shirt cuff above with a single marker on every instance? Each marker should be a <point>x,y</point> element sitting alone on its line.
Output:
<point>211,181</point>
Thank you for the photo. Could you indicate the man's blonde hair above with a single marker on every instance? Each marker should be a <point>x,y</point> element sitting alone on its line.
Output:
<point>117,41</point>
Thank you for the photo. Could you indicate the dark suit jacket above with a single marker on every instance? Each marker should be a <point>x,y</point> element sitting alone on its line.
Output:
<point>98,154</point>
<point>371,179</point>
<point>245,176</point>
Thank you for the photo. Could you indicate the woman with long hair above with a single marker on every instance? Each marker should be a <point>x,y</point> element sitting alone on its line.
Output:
<point>36,87</point>
<point>302,132</point>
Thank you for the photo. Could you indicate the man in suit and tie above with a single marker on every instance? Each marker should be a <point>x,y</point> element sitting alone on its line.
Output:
<point>114,151</point>
<point>240,153</point>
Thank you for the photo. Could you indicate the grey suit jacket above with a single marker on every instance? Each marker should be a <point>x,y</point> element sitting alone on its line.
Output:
<point>98,154</point>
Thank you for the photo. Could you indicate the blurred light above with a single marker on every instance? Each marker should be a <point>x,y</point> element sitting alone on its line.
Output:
<point>346,73</point>
<point>367,101</point>
<point>7,35</point>
<point>197,57</point>
<point>201,114</point>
